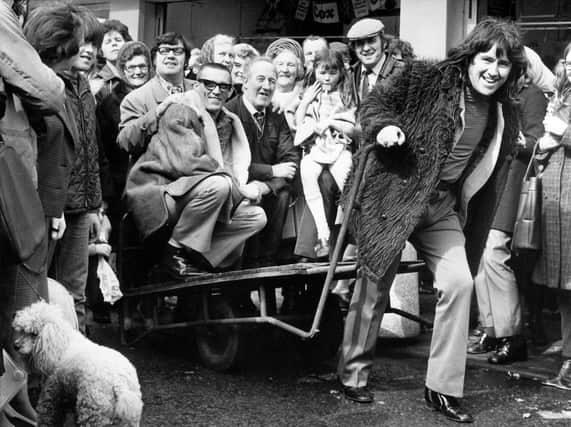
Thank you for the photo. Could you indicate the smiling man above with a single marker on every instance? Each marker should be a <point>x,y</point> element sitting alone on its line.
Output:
<point>445,134</point>
<point>142,108</point>
<point>366,38</point>
<point>275,160</point>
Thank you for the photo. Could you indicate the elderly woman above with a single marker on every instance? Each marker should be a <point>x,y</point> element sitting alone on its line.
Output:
<point>287,56</point>
<point>243,55</point>
<point>553,268</point>
<point>218,49</point>
<point>134,66</point>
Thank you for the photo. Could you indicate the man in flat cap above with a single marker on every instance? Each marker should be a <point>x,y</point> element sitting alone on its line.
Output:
<point>366,37</point>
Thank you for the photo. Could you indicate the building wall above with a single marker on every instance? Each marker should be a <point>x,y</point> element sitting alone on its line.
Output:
<point>200,21</point>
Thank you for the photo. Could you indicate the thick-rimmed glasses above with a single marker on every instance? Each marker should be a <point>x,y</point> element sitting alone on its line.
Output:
<point>210,85</point>
<point>177,51</point>
<point>133,68</point>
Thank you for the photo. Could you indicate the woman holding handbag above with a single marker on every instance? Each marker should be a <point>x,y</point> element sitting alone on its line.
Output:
<point>554,265</point>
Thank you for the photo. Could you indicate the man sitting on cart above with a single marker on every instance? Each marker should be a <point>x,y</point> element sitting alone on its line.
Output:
<point>181,181</point>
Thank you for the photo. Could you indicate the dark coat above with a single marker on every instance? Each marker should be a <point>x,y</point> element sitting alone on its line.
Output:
<point>554,264</point>
<point>532,106</point>
<point>274,146</point>
<point>57,139</point>
<point>424,100</point>
<point>389,67</point>
<point>108,119</point>
<point>84,192</point>
<point>175,161</point>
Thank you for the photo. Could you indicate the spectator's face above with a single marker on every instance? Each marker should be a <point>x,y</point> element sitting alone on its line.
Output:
<point>214,86</point>
<point>286,69</point>
<point>327,76</point>
<point>369,51</point>
<point>224,54</point>
<point>112,42</point>
<point>85,58</point>
<point>170,59</point>
<point>312,49</point>
<point>488,72</point>
<point>567,65</point>
<point>136,71</point>
<point>260,84</point>
<point>238,69</point>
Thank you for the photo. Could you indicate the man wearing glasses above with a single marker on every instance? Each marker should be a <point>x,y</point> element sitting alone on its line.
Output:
<point>142,108</point>
<point>275,160</point>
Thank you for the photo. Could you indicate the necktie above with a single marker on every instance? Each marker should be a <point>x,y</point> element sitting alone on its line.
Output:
<point>260,117</point>
<point>365,84</point>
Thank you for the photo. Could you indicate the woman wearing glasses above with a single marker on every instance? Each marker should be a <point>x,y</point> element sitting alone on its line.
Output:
<point>134,66</point>
<point>554,268</point>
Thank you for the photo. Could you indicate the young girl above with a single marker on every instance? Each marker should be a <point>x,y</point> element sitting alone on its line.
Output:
<point>326,121</point>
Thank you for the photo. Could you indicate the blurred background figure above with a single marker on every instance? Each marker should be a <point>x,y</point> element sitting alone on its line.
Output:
<point>193,64</point>
<point>135,68</point>
<point>218,49</point>
<point>116,34</point>
<point>243,55</point>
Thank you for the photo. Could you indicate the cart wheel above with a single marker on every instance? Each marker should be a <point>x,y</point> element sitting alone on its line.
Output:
<point>325,344</point>
<point>220,347</point>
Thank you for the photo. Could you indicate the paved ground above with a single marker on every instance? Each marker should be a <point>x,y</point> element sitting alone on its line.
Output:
<point>275,388</point>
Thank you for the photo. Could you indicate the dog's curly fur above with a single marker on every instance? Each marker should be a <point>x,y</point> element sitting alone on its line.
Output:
<point>98,385</point>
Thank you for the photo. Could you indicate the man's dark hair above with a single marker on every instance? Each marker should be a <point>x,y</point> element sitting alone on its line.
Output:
<point>172,39</point>
<point>55,31</point>
<point>118,26</point>
<point>486,34</point>
<point>213,66</point>
<point>92,28</point>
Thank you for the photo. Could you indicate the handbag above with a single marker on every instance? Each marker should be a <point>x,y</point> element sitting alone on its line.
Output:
<point>22,221</point>
<point>527,228</point>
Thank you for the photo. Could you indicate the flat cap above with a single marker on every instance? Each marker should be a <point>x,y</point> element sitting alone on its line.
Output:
<point>364,28</point>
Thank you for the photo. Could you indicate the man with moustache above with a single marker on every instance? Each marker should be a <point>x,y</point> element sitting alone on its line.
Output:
<point>366,38</point>
<point>142,108</point>
<point>275,160</point>
<point>444,135</point>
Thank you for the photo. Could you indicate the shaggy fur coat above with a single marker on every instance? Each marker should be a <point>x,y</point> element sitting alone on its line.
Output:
<point>425,101</point>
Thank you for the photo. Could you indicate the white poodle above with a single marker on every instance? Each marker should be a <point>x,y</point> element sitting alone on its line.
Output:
<point>96,384</point>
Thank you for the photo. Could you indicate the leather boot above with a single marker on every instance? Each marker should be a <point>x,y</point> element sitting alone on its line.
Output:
<point>510,349</point>
<point>484,344</point>
<point>563,379</point>
<point>448,405</point>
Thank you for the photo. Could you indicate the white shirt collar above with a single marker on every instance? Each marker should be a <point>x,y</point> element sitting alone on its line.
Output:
<point>375,71</point>
<point>251,109</point>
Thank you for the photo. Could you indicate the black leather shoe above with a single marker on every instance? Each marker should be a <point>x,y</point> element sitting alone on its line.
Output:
<point>176,264</point>
<point>510,349</point>
<point>484,344</point>
<point>358,394</point>
<point>448,405</point>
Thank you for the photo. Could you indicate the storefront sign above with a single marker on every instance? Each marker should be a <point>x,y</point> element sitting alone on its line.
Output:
<point>326,13</point>
<point>301,11</point>
<point>361,8</point>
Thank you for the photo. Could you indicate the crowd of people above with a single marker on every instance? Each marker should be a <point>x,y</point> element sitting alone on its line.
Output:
<point>209,148</point>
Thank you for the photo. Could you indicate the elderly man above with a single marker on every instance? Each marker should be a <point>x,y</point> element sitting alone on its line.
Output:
<point>463,110</point>
<point>274,158</point>
<point>366,38</point>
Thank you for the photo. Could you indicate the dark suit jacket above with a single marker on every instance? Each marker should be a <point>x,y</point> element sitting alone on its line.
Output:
<point>387,69</point>
<point>57,137</point>
<point>274,146</point>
